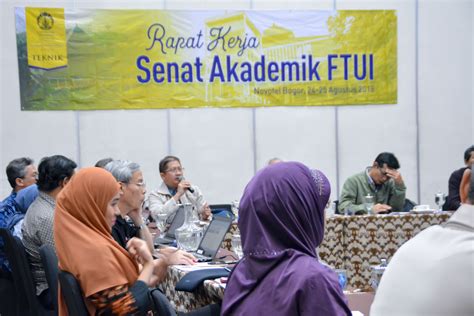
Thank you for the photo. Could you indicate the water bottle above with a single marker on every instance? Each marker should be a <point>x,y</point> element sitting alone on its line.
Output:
<point>235,209</point>
<point>189,235</point>
<point>440,198</point>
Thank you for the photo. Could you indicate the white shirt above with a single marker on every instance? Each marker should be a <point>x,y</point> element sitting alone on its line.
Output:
<point>433,273</point>
<point>161,200</point>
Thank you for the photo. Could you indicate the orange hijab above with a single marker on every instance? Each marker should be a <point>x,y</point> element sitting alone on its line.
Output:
<point>84,244</point>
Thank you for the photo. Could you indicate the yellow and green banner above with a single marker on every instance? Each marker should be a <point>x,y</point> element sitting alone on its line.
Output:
<point>139,59</point>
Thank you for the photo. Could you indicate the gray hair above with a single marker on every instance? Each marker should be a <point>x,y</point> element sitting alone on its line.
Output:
<point>122,170</point>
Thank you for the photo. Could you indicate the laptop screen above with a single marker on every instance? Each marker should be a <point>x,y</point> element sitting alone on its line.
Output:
<point>214,235</point>
<point>177,222</point>
<point>222,210</point>
<point>220,207</point>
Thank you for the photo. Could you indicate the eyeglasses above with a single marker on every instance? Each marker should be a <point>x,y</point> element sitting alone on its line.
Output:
<point>384,172</point>
<point>175,170</point>
<point>138,184</point>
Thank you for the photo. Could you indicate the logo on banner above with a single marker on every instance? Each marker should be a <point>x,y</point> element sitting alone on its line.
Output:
<point>46,38</point>
<point>45,21</point>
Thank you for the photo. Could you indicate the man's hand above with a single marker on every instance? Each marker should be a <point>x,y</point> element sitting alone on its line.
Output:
<point>175,256</point>
<point>395,175</point>
<point>206,212</point>
<point>377,208</point>
<point>139,250</point>
<point>160,269</point>
<point>136,216</point>
<point>182,187</point>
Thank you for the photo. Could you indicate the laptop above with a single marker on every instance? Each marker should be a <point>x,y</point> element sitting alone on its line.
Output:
<point>212,239</point>
<point>170,236</point>
<point>221,210</point>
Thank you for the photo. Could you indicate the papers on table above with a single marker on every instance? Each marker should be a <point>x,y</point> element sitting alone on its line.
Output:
<point>199,266</point>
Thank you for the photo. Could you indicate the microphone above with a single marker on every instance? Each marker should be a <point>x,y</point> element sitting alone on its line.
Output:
<point>181,178</point>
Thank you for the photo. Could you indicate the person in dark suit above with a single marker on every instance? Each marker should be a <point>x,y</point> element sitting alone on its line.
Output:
<point>453,200</point>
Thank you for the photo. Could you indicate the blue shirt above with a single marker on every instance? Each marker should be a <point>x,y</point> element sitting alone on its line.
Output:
<point>9,216</point>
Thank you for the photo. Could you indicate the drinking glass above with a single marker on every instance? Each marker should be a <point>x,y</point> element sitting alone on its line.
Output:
<point>237,246</point>
<point>369,203</point>
<point>440,198</point>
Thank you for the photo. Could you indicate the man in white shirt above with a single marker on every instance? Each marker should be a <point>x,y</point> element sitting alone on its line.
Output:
<point>433,273</point>
<point>175,190</point>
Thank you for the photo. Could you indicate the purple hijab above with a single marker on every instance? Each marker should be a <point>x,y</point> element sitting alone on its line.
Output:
<point>281,222</point>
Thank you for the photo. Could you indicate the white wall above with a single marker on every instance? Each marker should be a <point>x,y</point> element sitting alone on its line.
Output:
<point>428,129</point>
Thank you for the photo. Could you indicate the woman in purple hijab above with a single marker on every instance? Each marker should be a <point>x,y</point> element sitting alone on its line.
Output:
<point>281,222</point>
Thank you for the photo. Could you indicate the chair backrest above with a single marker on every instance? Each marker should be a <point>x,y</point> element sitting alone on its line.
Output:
<point>72,294</point>
<point>7,297</point>
<point>161,304</point>
<point>28,303</point>
<point>50,265</point>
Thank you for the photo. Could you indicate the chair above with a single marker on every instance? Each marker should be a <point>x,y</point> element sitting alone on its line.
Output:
<point>72,294</point>
<point>161,304</point>
<point>27,303</point>
<point>7,297</point>
<point>50,265</point>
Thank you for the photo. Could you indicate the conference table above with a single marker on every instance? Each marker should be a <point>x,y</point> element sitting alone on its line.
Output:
<point>212,291</point>
<point>353,243</point>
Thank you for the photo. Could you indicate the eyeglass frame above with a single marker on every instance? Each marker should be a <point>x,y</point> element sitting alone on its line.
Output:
<point>138,184</point>
<point>175,170</point>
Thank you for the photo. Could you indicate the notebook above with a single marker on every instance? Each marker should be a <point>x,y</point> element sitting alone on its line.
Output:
<point>212,239</point>
<point>170,237</point>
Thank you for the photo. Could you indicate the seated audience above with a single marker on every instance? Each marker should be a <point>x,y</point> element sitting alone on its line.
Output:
<point>25,197</point>
<point>176,190</point>
<point>382,180</point>
<point>281,222</point>
<point>37,228</point>
<point>109,275</point>
<point>21,173</point>
<point>453,201</point>
<point>432,273</point>
<point>132,187</point>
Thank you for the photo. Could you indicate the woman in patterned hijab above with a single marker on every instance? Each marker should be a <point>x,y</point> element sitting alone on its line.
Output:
<point>281,222</point>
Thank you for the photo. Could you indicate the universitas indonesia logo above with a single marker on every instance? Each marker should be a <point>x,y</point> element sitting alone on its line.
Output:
<point>45,21</point>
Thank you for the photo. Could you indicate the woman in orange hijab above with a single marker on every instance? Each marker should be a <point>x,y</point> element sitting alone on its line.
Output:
<point>108,275</point>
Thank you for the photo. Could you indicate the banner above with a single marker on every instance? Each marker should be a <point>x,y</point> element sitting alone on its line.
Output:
<point>86,59</point>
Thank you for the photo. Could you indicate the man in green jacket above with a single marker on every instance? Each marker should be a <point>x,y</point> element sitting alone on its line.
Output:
<point>382,181</point>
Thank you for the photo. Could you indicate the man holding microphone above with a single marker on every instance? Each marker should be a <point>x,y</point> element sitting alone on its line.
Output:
<point>175,190</point>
